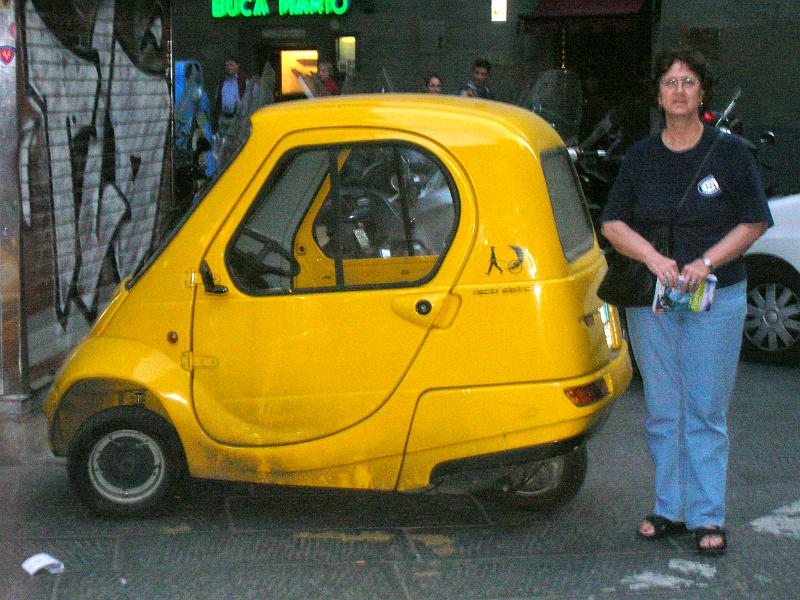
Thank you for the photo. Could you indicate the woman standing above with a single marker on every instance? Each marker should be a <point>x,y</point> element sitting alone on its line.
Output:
<point>688,360</point>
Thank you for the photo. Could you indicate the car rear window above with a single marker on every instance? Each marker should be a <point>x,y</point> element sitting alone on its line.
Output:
<point>571,214</point>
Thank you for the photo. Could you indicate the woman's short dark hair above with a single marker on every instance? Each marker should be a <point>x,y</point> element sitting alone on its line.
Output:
<point>692,59</point>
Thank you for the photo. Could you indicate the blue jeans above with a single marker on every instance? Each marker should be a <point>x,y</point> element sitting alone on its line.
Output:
<point>688,364</point>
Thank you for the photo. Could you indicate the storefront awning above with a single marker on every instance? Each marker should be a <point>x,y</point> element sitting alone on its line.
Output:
<point>566,9</point>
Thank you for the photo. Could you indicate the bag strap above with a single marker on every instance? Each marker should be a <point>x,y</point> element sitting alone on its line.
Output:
<point>695,176</point>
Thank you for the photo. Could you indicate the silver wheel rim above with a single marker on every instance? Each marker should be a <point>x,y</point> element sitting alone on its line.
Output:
<point>545,477</point>
<point>126,466</point>
<point>773,318</point>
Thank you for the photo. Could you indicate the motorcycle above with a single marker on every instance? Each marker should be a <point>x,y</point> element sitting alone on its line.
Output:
<point>728,122</point>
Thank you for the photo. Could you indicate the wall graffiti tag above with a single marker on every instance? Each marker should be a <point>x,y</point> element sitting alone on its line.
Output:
<point>7,54</point>
<point>92,142</point>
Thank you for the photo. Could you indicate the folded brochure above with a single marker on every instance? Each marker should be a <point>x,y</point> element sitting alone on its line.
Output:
<point>671,299</point>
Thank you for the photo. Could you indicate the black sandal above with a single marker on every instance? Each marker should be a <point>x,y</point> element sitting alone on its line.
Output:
<point>662,527</point>
<point>702,533</point>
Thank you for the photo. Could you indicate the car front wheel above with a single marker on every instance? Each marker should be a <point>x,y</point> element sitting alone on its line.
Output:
<point>123,461</point>
<point>772,325</point>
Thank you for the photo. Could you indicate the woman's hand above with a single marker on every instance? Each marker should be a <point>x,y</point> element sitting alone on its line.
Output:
<point>693,275</point>
<point>663,267</point>
<point>628,242</point>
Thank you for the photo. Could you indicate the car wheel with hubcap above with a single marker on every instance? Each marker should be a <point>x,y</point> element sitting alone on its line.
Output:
<point>124,460</point>
<point>772,325</point>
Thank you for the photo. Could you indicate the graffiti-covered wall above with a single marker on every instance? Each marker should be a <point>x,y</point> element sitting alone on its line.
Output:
<point>9,214</point>
<point>93,159</point>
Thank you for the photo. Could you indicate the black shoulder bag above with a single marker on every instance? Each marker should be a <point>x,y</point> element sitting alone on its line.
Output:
<point>628,282</point>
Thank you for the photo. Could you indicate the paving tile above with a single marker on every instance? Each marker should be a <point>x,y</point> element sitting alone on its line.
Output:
<point>33,483</point>
<point>339,581</point>
<point>746,502</point>
<point>77,554</point>
<point>763,392</point>
<point>16,584</point>
<point>623,506</point>
<point>572,577</point>
<point>223,550</point>
<point>62,514</point>
<point>70,518</point>
<point>91,586</point>
<point>563,540</point>
<point>765,451</point>
<point>351,509</point>
<point>608,467</point>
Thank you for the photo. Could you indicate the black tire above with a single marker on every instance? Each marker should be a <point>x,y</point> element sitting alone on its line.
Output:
<point>572,468</point>
<point>124,461</point>
<point>772,326</point>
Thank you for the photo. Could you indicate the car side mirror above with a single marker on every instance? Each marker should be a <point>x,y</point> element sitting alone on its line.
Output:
<point>208,281</point>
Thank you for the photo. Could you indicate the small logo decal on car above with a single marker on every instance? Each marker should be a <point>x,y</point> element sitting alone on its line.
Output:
<point>493,263</point>
<point>514,266</point>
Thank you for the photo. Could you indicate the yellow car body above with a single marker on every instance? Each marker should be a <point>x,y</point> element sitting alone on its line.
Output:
<point>390,292</point>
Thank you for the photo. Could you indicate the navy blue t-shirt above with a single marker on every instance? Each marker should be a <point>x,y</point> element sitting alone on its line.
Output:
<point>728,191</point>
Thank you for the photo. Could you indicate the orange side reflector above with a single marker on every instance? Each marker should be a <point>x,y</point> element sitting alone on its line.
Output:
<point>584,395</point>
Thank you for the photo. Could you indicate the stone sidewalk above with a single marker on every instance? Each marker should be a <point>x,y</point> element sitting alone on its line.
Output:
<point>223,540</point>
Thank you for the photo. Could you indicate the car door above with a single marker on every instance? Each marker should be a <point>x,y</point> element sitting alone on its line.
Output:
<point>335,264</point>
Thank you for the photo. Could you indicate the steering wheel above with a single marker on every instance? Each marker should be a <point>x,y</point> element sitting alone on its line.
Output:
<point>268,246</point>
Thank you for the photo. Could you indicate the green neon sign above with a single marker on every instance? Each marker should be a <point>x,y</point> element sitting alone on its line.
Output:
<point>289,8</point>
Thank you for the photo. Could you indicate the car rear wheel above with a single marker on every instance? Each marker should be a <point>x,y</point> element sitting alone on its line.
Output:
<point>772,325</point>
<point>123,461</point>
<point>548,483</point>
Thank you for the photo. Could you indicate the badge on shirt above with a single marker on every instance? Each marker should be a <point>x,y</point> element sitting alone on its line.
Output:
<point>708,186</point>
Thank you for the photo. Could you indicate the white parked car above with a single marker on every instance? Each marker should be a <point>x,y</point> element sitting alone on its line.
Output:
<point>772,327</point>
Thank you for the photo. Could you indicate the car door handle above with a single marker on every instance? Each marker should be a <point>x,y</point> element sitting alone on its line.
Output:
<point>208,281</point>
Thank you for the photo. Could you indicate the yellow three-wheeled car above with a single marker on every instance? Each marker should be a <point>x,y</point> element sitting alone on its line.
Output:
<point>390,292</point>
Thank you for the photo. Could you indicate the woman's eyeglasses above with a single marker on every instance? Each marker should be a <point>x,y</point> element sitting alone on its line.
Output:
<point>672,83</point>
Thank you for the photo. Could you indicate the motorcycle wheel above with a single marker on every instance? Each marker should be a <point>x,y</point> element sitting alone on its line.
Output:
<point>772,325</point>
<point>123,461</point>
<point>551,484</point>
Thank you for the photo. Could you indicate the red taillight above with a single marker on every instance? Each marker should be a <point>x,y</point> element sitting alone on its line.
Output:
<point>584,395</point>
<point>709,117</point>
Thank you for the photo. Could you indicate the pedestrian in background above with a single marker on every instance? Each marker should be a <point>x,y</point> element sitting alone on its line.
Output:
<point>433,84</point>
<point>321,83</point>
<point>476,87</point>
<point>325,74</point>
<point>688,360</point>
<point>229,93</point>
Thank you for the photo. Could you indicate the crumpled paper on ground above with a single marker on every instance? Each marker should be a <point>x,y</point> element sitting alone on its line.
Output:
<point>40,561</point>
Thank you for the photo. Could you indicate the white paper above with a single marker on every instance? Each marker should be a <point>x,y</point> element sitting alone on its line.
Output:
<point>40,561</point>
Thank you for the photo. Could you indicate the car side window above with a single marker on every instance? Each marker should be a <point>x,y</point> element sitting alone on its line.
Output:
<point>346,217</point>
